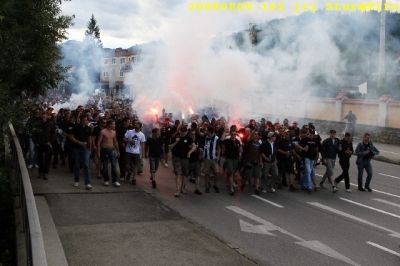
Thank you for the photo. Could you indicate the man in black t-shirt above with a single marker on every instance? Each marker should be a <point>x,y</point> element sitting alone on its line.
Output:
<point>285,156</point>
<point>309,147</point>
<point>231,150</point>
<point>153,151</point>
<point>80,138</point>
<point>181,148</point>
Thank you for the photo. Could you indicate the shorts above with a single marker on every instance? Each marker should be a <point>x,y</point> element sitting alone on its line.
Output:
<point>252,170</point>
<point>231,166</point>
<point>210,167</point>
<point>181,166</point>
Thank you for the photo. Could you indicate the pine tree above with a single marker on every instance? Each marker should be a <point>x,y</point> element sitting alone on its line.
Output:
<point>93,31</point>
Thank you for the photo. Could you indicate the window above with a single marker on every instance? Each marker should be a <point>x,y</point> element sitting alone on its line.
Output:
<point>121,73</point>
<point>113,61</point>
<point>122,60</point>
<point>105,61</point>
<point>133,59</point>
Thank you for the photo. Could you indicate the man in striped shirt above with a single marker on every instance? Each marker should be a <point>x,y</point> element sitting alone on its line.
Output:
<point>211,155</point>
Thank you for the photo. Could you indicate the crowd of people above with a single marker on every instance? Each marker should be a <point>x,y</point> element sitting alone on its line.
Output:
<point>262,156</point>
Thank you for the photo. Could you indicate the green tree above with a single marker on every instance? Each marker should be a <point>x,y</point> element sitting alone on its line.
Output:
<point>93,31</point>
<point>30,31</point>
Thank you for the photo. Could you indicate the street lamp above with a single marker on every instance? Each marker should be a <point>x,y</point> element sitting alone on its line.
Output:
<point>381,77</point>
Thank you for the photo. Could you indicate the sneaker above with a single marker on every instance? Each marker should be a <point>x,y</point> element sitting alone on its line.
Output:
<point>257,192</point>
<point>88,187</point>
<point>321,185</point>
<point>334,189</point>
<point>76,184</point>
<point>30,166</point>
<point>368,189</point>
<point>183,191</point>
<point>116,184</point>
<point>153,184</point>
<point>232,193</point>
<point>216,189</point>
<point>271,190</point>
<point>361,189</point>
<point>176,195</point>
<point>348,190</point>
<point>106,183</point>
<point>197,192</point>
<point>133,182</point>
<point>36,166</point>
<point>166,165</point>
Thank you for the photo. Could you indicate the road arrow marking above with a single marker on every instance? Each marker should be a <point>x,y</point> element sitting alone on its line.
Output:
<point>266,227</point>
<point>383,248</point>
<point>327,251</point>
<point>352,217</point>
<point>255,229</point>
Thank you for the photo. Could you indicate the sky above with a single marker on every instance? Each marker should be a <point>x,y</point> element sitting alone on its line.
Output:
<point>124,23</point>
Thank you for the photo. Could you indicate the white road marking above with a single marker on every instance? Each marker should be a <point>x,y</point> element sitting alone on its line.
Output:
<point>387,202</point>
<point>268,201</point>
<point>392,176</point>
<point>379,191</point>
<point>265,227</point>
<point>375,190</point>
<point>371,208</point>
<point>383,248</point>
<point>352,217</point>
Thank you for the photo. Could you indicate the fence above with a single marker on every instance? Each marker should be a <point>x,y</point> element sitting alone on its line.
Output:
<point>34,246</point>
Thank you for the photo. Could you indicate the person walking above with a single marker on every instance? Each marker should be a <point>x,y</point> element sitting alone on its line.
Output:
<point>82,146</point>
<point>329,151</point>
<point>154,146</point>
<point>365,151</point>
<point>345,152</point>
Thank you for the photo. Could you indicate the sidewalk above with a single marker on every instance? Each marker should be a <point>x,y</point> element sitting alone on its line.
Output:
<point>121,226</point>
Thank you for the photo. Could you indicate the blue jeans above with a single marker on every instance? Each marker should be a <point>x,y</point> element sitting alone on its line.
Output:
<point>109,154</point>
<point>364,164</point>
<point>308,173</point>
<point>32,158</point>
<point>82,158</point>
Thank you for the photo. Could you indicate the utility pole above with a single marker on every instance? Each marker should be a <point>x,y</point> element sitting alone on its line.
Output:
<point>382,47</point>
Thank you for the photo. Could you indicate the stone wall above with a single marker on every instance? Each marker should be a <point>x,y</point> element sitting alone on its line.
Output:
<point>378,134</point>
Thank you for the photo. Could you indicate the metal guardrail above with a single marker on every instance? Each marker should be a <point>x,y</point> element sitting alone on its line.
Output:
<point>34,244</point>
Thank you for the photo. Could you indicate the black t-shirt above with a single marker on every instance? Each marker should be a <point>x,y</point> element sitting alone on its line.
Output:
<point>232,148</point>
<point>283,145</point>
<point>81,133</point>
<point>312,144</point>
<point>195,156</point>
<point>155,147</point>
<point>183,146</point>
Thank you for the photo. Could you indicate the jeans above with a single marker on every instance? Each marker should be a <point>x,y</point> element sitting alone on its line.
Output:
<point>345,165</point>
<point>154,163</point>
<point>82,158</point>
<point>308,173</point>
<point>270,182</point>
<point>32,159</point>
<point>44,158</point>
<point>364,164</point>
<point>109,154</point>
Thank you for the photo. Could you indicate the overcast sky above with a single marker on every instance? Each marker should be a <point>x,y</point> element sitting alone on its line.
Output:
<point>124,23</point>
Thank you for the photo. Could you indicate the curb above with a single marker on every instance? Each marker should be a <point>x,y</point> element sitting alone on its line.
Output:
<point>386,160</point>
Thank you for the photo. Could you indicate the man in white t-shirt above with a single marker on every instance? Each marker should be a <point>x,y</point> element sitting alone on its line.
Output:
<point>134,149</point>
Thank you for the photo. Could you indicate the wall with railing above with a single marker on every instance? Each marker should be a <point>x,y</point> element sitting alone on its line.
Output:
<point>33,252</point>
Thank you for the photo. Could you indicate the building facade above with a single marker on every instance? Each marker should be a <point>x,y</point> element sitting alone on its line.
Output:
<point>116,63</point>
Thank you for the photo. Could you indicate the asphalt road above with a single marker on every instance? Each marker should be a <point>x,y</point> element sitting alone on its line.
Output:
<point>295,228</point>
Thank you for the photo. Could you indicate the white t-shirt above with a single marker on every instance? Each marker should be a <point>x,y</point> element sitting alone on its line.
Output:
<point>134,140</point>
